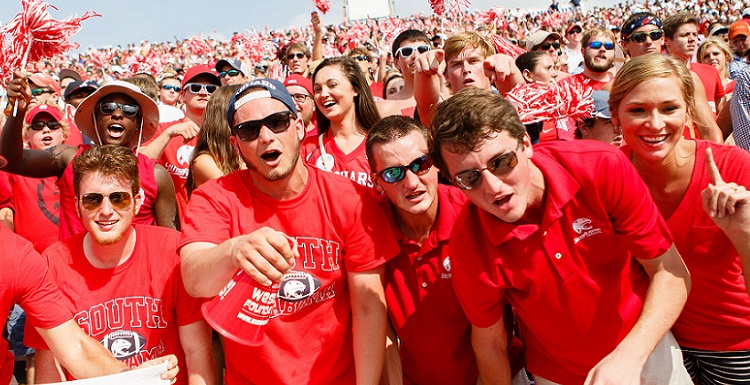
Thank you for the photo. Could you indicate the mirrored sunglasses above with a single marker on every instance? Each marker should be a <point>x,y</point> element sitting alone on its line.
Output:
<point>172,88</point>
<point>598,44</point>
<point>119,199</point>
<point>39,91</point>
<point>109,108</point>
<point>230,73</point>
<point>418,166</point>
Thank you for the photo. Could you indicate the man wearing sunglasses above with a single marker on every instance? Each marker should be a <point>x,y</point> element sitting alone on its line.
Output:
<point>418,285</point>
<point>681,41</point>
<point>545,41</point>
<point>282,215</point>
<point>232,71</point>
<point>130,270</point>
<point>297,59</point>
<point>598,55</point>
<point>174,141</point>
<point>405,49</point>
<point>589,267</point>
<point>116,113</point>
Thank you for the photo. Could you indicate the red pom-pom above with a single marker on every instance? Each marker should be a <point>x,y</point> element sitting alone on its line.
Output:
<point>503,45</point>
<point>323,5</point>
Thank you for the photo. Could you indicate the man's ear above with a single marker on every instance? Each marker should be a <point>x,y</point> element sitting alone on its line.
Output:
<point>376,183</point>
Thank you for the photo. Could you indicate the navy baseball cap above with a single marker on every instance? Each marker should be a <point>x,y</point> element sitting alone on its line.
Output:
<point>274,89</point>
<point>601,105</point>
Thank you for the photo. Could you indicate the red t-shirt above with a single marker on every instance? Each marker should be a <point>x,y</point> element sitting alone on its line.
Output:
<point>711,82</point>
<point>37,202</point>
<point>25,280</point>
<point>339,228</point>
<point>717,313</point>
<point>70,223</point>
<point>596,85</point>
<point>134,309</point>
<point>353,165</point>
<point>176,159</point>
<point>6,192</point>
<point>573,280</point>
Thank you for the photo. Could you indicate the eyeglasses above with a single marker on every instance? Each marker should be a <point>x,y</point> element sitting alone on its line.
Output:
<point>173,88</point>
<point>418,166</point>
<point>407,51</point>
<point>109,108</point>
<point>119,199</point>
<point>298,55</point>
<point>250,130</point>
<point>574,31</point>
<point>196,88</point>
<point>499,165</point>
<point>39,91</point>
<point>231,73</point>
<point>598,44</point>
<point>361,58</point>
<point>640,37</point>
<point>300,98</point>
<point>545,46</point>
<point>52,124</point>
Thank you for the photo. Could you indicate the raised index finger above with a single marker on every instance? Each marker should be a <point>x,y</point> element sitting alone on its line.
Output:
<point>713,171</point>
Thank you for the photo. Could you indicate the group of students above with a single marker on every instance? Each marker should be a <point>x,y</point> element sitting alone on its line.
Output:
<point>436,241</point>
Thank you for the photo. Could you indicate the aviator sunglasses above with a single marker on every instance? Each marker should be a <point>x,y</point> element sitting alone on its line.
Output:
<point>407,51</point>
<point>498,166</point>
<point>249,130</point>
<point>298,55</point>
<point>640,37</point>
<point>119,199</point>
<point>418,166</point>
<point>109,108</point>
<point>598,44</point>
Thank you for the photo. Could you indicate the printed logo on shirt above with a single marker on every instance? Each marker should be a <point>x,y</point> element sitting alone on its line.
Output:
<point>123,344</point>
<point>447,267</point>
<point>584,228</point>
<point>298,285</point>
<point>184,153</point>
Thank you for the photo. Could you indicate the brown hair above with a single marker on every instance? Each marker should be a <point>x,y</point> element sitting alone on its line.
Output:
<point>466,119</point>
<point>147,84</point>
<point>390,129</point>
<point>648,67</point>
<point>673,22</point>
<point>457,42</point>
<point>364,104</point>
<point>213,137</point>
<point>593,32</point>
<point>111,160</point>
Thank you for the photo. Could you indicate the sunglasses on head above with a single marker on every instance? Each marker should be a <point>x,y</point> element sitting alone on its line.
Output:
<point>361,58</point>
<point>640,37</point>
<point>298,55</point>
<point>39,91</point>
<point>598,44</point>
<point>545,46</point>
<point>407,51</point>
<point>119,199</point>
<point>250,130</point>
<point>231,73</point>
<point>499,165</point>
<point>196,88</point>
<point>172,88</point>
<point>418,166</point>
<point>52,124</point>
<point>109,108</point>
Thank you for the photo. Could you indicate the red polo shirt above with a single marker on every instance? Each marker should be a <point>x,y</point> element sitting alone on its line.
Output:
<point>573,281</point>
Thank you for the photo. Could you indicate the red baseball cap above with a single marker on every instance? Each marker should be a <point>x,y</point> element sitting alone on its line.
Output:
<point>299,80</point>
<point>43,108</point>
<point>198,70</point>
<point>41,79</point>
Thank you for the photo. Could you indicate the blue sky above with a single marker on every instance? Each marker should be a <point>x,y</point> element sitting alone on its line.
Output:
<point>127,21</point>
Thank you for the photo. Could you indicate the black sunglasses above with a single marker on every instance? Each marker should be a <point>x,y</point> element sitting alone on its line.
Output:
<point>598,44</point>
<point>361,58</point>
<point>231,73</point>
<point>39,91</point>
<point>119,199</point>
<point>195,88</point>
<point>298,55</point>
<point>52,124</point>
<point>418,166</point>
<point>407,51</point>
<point>109,108</point>
<point>499,165</point>
<point>168,87</point>
<point>545,46</point>
<point>640,37</point>
<point>276,122</point>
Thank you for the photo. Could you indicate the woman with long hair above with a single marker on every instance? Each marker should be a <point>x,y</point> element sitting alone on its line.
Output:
<point>213,155</point>
<point>345,111</point>
<point>716,53</point>
<point>699,188</point>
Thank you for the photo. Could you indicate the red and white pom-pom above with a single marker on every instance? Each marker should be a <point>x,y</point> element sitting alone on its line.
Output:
<point>503,45</point>
<point>155,62</point>
<point>565,101</point>
<point>438,7</point>
<point>35,35</point>
<point>198,46</point>
<point>323,5</point>
<point>491,15</point>
<point>391,27</point>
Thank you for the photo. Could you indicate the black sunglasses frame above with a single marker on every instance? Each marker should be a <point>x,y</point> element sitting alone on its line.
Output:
<point>277,122</point>
<point>418,166</point>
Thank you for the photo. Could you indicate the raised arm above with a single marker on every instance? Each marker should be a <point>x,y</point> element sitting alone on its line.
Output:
<point>427,83</point>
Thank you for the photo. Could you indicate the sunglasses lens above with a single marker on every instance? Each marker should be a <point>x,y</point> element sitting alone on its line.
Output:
<point>503,164</point>
<point>249,131</point>
<point>595,44</point>
<point>195,88</point>
<point>423,48</point>
<point>210,88</point>
<point>420,165</point>
<point>406,51</point>
<point>467,180</point>
<point>120,199</point>
<point>656,35</point>
<point>129,110</point>
<point>36,92</point>
<point>108,108</point>
<point>92,201</point>
<point>393,174</point>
